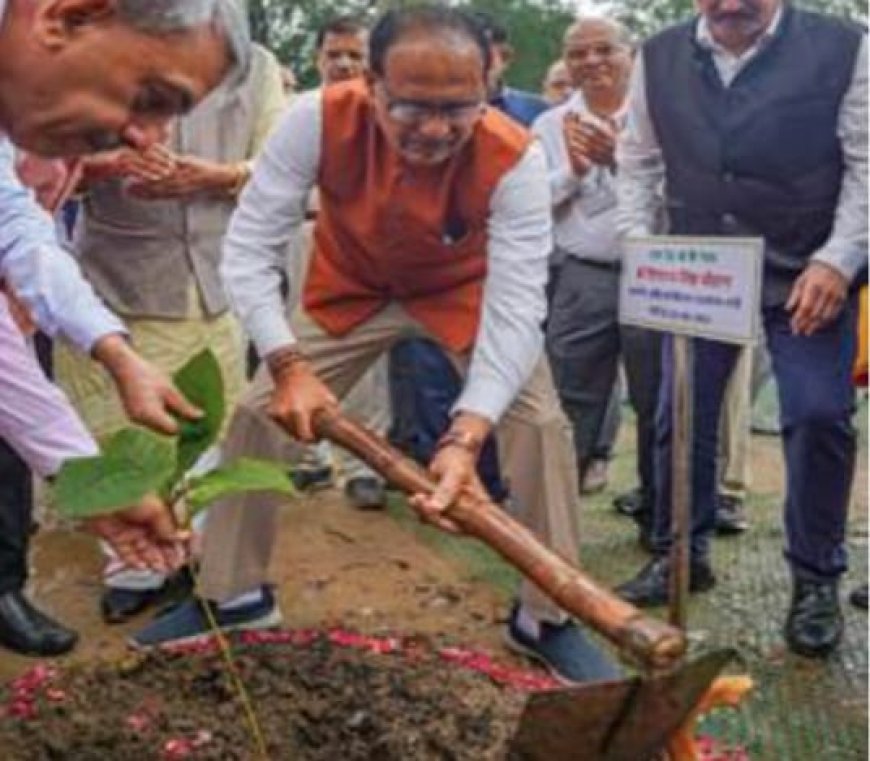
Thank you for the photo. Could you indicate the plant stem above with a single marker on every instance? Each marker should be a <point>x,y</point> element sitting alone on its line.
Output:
<point>244,696</point>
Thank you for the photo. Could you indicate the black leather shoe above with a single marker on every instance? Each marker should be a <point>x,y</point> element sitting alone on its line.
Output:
<point>858,598</point>
<point>118,605</point>
<point>29,631</point>
<point>366,493</point>
<point>629,503</point>
<point>814,625</point>
<point>650,587</point>
<point>730,516</point>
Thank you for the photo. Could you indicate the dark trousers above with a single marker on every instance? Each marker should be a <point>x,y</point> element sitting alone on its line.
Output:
<point>16,499</point>
<point>424,386</point>
<point>585,343</point>
<point>16,507</point>
<point>813,375</point>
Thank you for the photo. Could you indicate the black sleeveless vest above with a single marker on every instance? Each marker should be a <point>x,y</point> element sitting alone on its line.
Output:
<point>760,157</point>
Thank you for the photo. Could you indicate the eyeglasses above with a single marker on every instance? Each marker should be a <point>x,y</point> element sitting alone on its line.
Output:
<point>413,112</point>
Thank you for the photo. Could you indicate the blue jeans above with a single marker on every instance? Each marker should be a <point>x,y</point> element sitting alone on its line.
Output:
<point>424,386</point>
<point>817,401</point>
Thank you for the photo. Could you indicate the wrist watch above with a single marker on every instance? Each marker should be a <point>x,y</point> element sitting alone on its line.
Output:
<point>463,439</point>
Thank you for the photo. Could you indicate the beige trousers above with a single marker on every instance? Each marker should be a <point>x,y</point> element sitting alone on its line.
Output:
<point>534,437</point>
<point>168,344</point>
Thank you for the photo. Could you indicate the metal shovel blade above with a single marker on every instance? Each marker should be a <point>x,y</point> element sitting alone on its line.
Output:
<point>629,720</point>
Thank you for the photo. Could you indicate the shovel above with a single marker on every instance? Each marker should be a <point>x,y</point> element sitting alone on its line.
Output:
<point>629,719</point>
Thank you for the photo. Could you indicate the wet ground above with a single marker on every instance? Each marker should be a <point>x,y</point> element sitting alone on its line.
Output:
<point>802,710</point>
<point>380,573</point>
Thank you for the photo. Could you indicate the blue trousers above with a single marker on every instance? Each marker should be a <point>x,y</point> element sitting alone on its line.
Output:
<point>817,402</point>
<point>424,386</point>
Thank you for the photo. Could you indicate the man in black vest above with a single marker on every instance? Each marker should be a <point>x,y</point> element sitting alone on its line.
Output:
<point>755,117</point>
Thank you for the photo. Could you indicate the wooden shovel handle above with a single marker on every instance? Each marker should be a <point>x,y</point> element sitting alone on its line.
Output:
<point>650,642</point>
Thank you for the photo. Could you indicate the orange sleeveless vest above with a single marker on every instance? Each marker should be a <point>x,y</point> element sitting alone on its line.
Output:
<point>387,231</point>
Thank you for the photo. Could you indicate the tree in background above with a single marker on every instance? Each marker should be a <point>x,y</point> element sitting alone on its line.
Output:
<point>287,27</point>
<point>536,29</point>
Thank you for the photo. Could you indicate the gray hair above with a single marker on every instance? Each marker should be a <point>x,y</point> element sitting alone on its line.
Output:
<point>168,16</point>
<point>620,30</point>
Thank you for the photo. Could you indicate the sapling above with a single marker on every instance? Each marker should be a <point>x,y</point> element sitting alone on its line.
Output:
<point>136,462</point>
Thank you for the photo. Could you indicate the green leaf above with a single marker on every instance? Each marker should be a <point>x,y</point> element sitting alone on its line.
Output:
<point>240,476</point>
<point>135,462</point>
<point>201,382</point>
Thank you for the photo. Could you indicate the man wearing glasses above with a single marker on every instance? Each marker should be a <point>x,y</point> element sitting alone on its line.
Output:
<point>435,221</point>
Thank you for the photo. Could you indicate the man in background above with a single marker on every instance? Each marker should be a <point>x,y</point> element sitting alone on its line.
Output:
<point>341,50</point>
<point>585,341</point>
<point>149,240</point>
<point>769,140</point>
<point>520,105</point>
<point>556,87</point>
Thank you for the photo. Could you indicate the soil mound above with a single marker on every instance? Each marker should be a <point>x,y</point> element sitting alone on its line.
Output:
<point>317,697</point>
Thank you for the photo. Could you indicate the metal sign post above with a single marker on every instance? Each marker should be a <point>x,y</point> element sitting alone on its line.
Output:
<point>690,287</point>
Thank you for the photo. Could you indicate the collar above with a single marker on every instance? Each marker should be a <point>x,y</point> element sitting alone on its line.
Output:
<point>578,103</point>
<point>704,37</point>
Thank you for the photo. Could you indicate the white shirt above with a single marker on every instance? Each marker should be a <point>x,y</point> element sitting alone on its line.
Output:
<point>36,419</point>
<point>272,208</point>
<point>729,64</point>
<point>642,171</point>
<point>584,209</point>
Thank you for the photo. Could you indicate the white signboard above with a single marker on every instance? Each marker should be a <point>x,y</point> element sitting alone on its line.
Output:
<point>702,287</point>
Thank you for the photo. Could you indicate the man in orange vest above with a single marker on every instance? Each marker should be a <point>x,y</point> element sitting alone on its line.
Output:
<point>434,221</point>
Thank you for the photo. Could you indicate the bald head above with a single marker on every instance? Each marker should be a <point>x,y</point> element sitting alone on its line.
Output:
<point>597,53</point>
<point>598,24</point>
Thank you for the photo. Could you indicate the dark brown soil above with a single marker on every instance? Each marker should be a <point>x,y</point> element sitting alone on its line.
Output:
<point>315,701</point>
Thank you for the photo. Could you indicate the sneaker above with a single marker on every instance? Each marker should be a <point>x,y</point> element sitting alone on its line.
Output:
<point>730,515</point>
<point>312,478</point>
<point>651,587</point>
<point>596,478</point>
<point>119,604</point>
<point>187,623</point>
<point>366,493</point>
<point>564,650</point>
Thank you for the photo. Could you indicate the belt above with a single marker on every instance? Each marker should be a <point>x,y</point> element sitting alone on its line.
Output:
<point>600,265</point>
